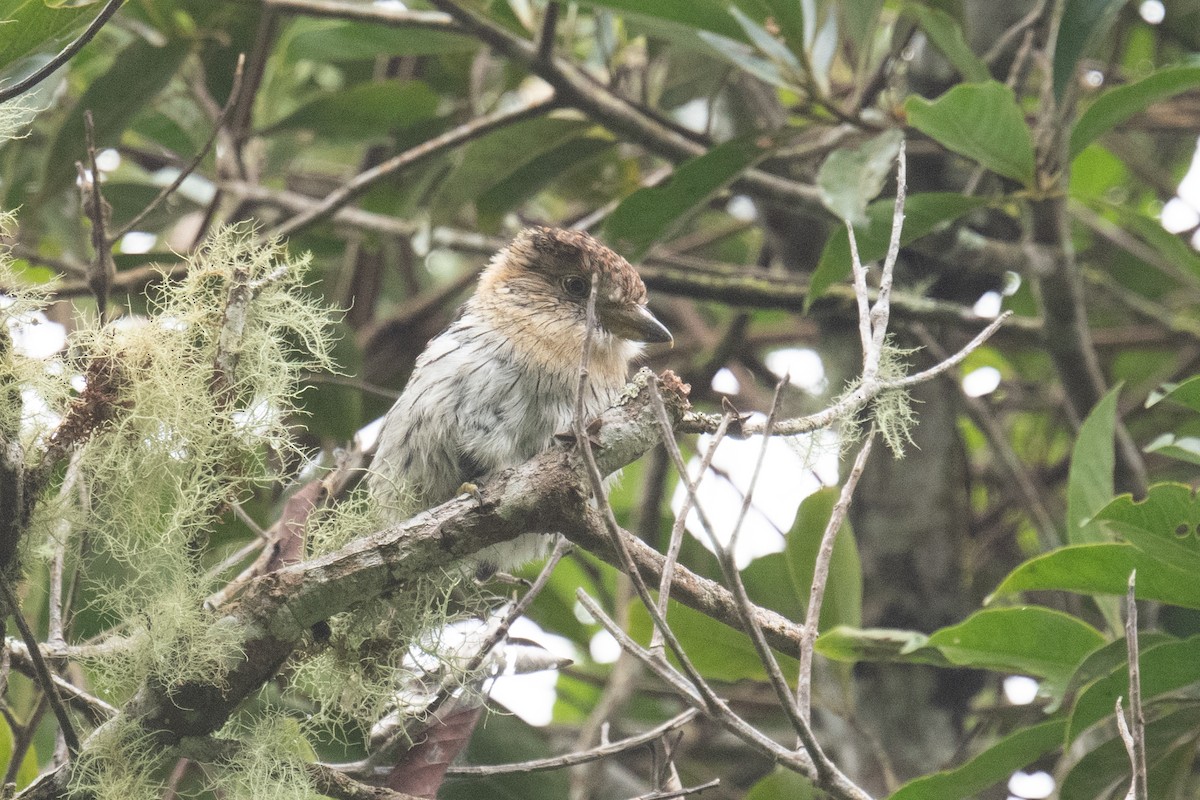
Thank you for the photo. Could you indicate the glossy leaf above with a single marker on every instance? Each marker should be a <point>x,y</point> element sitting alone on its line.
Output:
<point>842,603</point>
<point>995,764</point>
<point>1028,639</point>
<point>1182,448</point>
<point>1106,767</point>
<point>852,645</point>
<point>718,651</point>
<point>335,41</point>
<point>492,159</point>
<point>1185,394</point>
<point>648,214</point>
<point>137,75</point>
<point>1117,105</point>
<point>1165,525</point>
<point>1164,668</point>
<point>852,177</point>
<point>1090,481</point>
<point>364,111</point>
<point>1083,22</point>
<point>782,784</point>
<point>30,26</point>
<point>702,15</point>
<point>1104,569</point>
<point>922,214</point>
<point>947,36</point>
<point>981,121</point>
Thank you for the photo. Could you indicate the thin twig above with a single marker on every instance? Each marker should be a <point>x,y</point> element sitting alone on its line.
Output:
<point>581,757</point>
<point>1137,729</point>
<point>45,677</point>
<point>102,271</point>
<point>474,129</point>
<point>545,51</point>
<point>683,792</point>
<point>816,593</point>
<point>191,166</point>
<point>680,524</point>
<point>64,55</point>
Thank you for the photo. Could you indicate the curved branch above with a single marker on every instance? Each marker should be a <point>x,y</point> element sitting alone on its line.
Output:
<point>20,87</point>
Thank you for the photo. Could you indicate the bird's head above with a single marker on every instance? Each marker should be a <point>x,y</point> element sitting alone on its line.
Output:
<point>545,276</point>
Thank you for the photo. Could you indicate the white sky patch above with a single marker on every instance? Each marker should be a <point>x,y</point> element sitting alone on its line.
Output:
<point>1093,78</point>
<point>369,433</point>
<point>725,382</point>
<point>803,367</point>
<point>693,114</point>
<point>582,614</point>
<point>1153,11</point>
<point>741,208</point>
<point>137,242</point>
<point>108,160</point>
<point>531,697</point>
<point>1031,786</point>
<point>979,382</point>
<point>1020,690</point>
<point>1177,216</point>
<point>196,188</point>
<point>785,480</point>
<point>604,648</point>
<point>36,415</point>
<point>34,335</point>
<point>988,305</point>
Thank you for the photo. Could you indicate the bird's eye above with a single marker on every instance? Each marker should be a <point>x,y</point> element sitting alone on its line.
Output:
<point>576,286</point>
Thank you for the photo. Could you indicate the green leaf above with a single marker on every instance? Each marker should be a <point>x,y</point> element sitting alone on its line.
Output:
<point>645,216</point>
<point>981,121</point>
<point>852,177</point>
<point>1164,668</point>
<point>29,766</point>
<point>137,75</point>
<point>1165,525</point>
<point>365,111</point>
<point>30,26</point>
<point>1090,481</point>
<point>1083,22</point>
<point>1027,639</point>
<point>492,159</point>
<point>718,651</point>
<point>528,180</point>
<point>782,784</point>
<point>771,47</point>
<point>1182,448</point>
<point>842,604</point>
<point>1184,394</point>
<point>852,645</point>
<point>922,213</point>
<point>1104,569</point>
<point>996,763</point>
<point>329,41</point>
<point>1106,767</point>
<point>1117,105</point>
<point>704,15</point>
<point>947,36</point>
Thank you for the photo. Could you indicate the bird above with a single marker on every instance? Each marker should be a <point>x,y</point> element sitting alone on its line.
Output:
<point>492,390</point>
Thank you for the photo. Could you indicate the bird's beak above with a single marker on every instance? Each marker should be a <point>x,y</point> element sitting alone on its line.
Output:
<point>634,323</point>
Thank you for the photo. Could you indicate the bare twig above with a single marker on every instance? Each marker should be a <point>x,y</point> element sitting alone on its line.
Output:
<point>816,592</point>
<point>191,166</point>
<point>545,50</point>
<point>367,178</point>
<point>102,270</point>
<point>64,55</point>
<point>581,757</point>
<point>682,792</point>
<point>1136,732</point>
<point>41,669</point>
